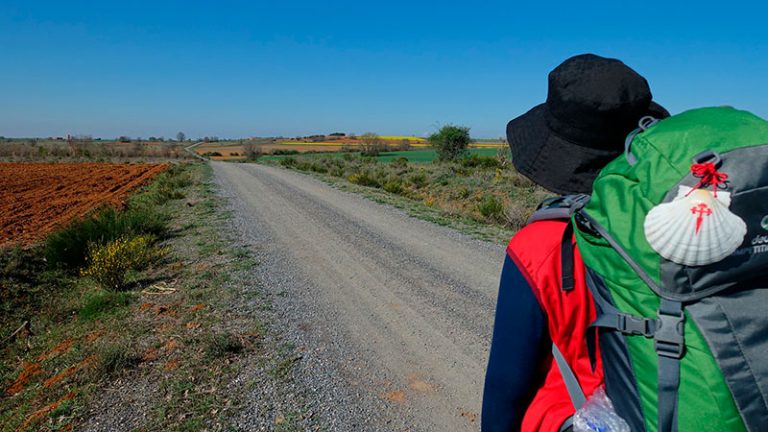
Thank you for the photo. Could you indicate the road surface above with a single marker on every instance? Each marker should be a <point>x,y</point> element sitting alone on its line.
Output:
<point>392,316</point>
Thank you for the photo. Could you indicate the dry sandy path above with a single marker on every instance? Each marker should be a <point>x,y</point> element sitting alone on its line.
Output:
<point>391,315</point>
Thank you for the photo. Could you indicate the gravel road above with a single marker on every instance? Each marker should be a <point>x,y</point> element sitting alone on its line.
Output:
<point>391,316</point>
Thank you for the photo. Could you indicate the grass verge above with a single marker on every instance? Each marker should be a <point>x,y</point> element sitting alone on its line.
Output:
<point>160,355</point>
<point>482,196</point>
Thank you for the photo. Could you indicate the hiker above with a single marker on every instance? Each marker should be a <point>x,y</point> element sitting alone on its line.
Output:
<point>593,103</point>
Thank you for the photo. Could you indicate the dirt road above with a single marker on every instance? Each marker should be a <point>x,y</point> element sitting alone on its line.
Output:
<point>391,316</point>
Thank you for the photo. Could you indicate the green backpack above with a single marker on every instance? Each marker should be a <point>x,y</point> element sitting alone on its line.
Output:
<point>683,341</point>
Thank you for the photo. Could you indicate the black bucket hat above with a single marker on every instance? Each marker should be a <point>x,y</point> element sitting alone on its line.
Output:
<point>593,103</point>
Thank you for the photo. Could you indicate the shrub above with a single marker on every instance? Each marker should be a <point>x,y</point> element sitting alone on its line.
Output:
<point>284,152</point>
<point>303,165</point>
<point>364,178</point>
<point>319,167</point>
<point>491,208</point>
<point>419,179</point>
<point>451,142</point>
<point>113,359</point>
<point>517,216</point>
<point>68,248</point>
<point>288,161</point>
<point>109,264</point>
<point>475,161</point>
<point>394,186</point>
<point>504,155</point>
<point>168,186</point>
<point>399,162</point>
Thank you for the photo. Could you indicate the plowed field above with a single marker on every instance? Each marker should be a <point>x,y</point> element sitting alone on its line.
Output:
<point>36,198</point>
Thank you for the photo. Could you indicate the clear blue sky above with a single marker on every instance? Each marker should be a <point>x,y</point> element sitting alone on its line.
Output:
<point>242,68</point>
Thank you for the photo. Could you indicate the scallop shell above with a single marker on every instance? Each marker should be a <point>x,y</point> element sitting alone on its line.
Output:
<point>695,229</point>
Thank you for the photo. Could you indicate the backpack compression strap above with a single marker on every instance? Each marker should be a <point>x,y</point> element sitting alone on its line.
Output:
<point>569,378</point>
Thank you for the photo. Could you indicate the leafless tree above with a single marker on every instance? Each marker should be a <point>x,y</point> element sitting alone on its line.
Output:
<point>371,144</point>
<point>251,150</point>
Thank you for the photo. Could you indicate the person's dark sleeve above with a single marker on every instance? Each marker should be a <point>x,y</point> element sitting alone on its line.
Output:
<point>518,349</point>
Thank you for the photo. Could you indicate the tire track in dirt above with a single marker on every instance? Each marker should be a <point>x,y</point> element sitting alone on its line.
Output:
<point>394,314</point>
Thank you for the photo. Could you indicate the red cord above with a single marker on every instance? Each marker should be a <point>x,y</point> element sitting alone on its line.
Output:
<point>709,175</point>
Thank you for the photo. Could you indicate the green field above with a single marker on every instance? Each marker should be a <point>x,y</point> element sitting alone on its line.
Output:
<point>414,156</point>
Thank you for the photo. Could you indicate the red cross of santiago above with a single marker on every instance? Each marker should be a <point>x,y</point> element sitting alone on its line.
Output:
<point>700,210</point>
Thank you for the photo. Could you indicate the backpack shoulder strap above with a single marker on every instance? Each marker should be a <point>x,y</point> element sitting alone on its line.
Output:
<point>559,208</point>
<point>562,208</point>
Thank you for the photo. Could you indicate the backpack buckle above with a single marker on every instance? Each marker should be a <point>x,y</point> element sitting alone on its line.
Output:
<point>633,325</point>
<point>669,337</point>
<point>576,202</point>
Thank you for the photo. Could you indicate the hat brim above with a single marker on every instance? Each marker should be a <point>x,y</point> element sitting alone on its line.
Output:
<point>553,162</point>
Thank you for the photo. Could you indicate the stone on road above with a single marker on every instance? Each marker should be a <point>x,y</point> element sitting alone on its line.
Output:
<point>392,315</point>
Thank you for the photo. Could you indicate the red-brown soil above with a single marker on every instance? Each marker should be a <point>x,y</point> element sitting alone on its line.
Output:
<point>44,411</point>
<point>28,371</point>
<point>37,198</point>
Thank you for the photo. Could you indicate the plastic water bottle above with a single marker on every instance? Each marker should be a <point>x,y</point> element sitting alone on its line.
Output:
<point>598,415</point>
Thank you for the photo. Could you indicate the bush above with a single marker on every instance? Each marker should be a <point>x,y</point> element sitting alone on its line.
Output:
<point>451,142</point>
<point>491,208</point>
<point>419,180</point>
<point>109,264</point>
<point>399,162</point>
<point>475,161</point>
<point>284,152</point>
<point>517,216</point>
<point>394,186</point>
<point>168,186</point>
<point>288,162</point>
<point>68,248</point>
<point>364,178</point>
<point>113,359</point>
<point>303,165</point>
<point>504,155</point>
<point>319,167</point>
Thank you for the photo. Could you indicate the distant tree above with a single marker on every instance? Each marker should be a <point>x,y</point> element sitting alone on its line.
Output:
<point>251,151</point>
<point>180,137</point>
<point>371,144</point>
<point>405,145</point>
<point>451,142</point>
<point>124,139</point>
<point>338,134</point>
